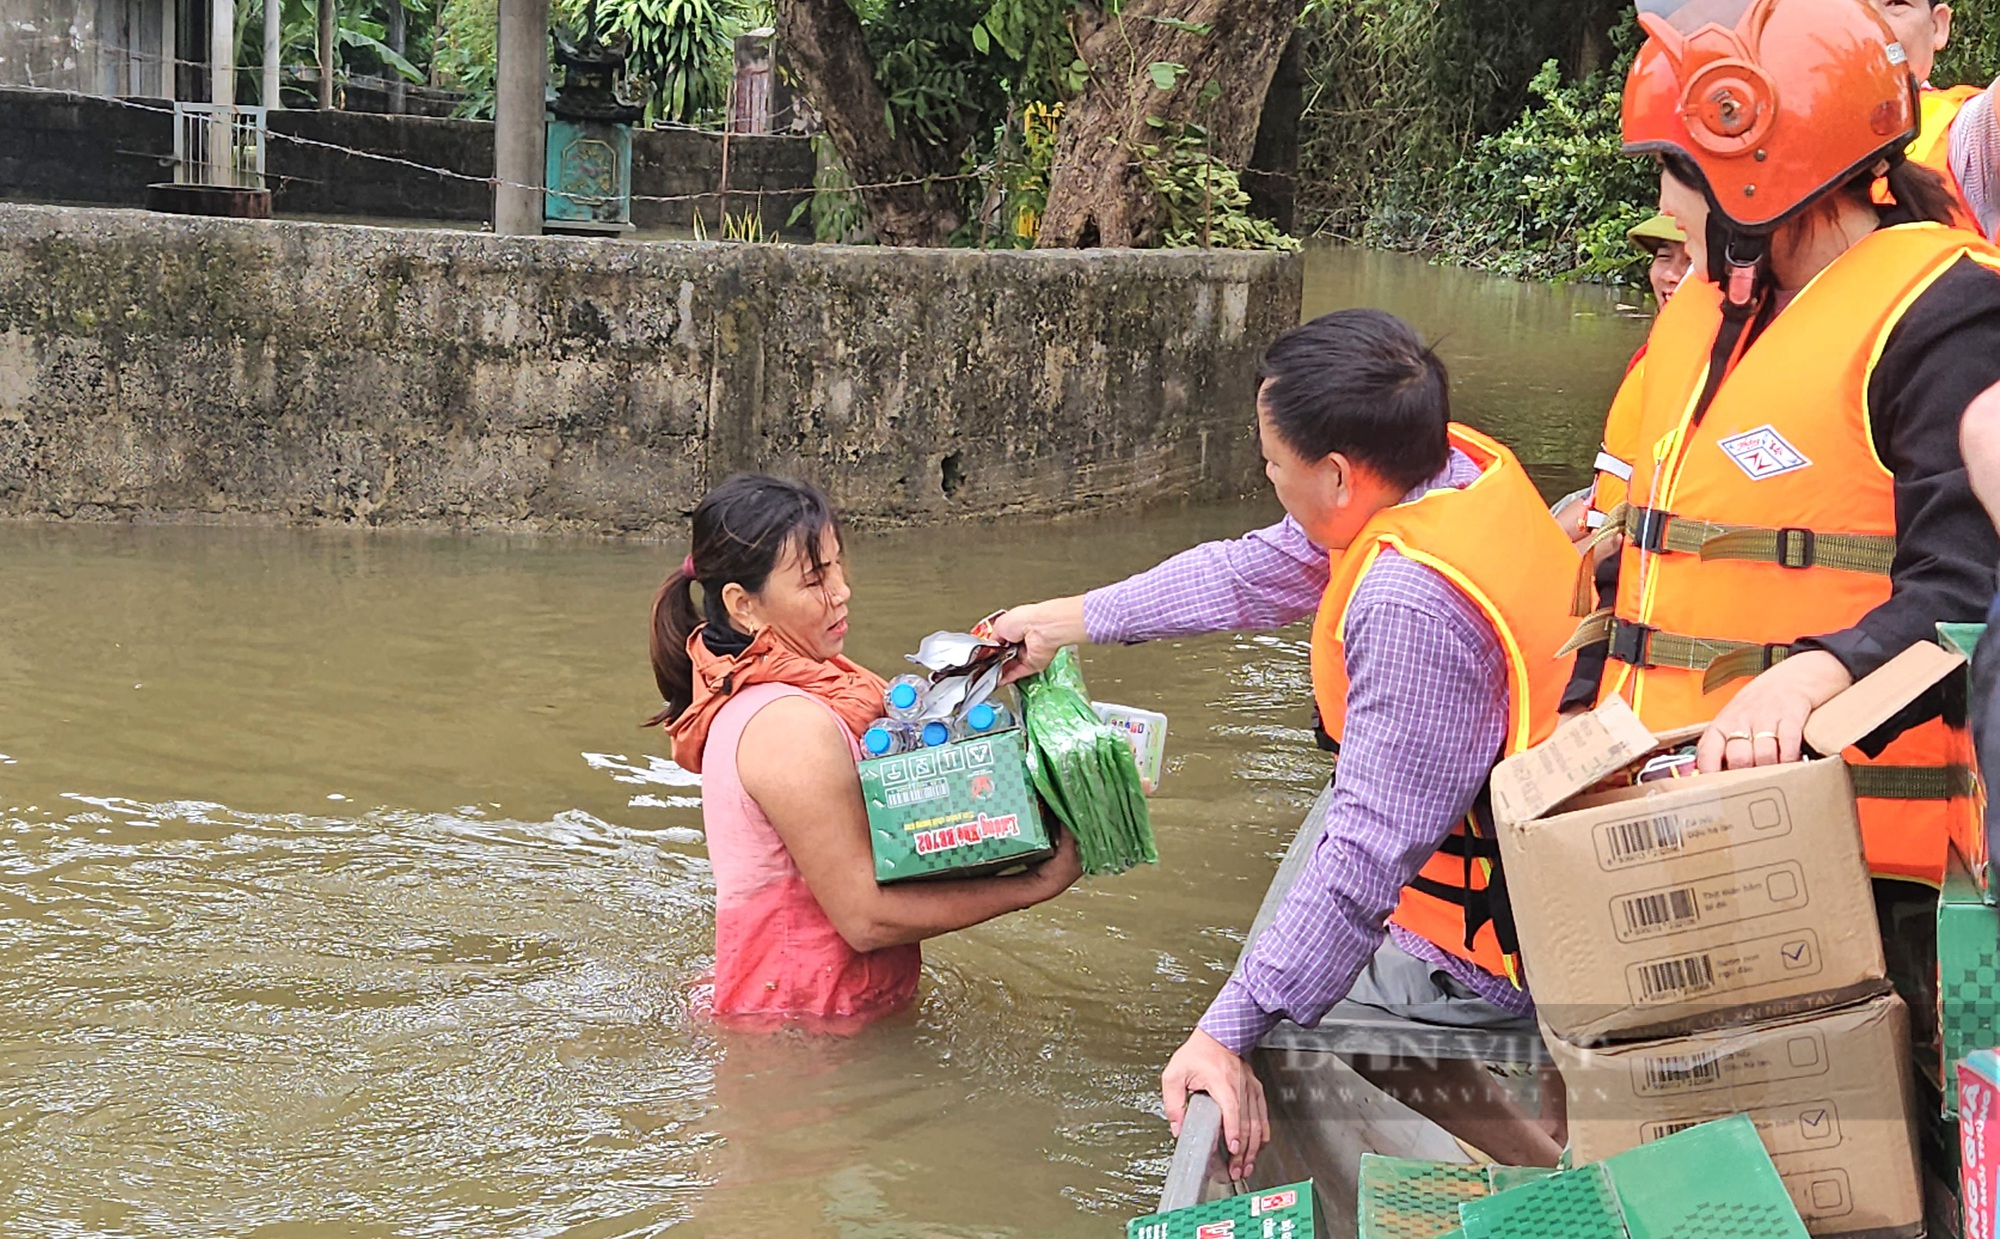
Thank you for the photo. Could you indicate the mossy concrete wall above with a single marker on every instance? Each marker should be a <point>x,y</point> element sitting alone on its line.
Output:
<point>157,367</point>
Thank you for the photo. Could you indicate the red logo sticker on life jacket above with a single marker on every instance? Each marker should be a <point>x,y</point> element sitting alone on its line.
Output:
<point>1763,453</point>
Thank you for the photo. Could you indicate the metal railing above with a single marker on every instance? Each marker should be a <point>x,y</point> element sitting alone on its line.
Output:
<point>219,144</point>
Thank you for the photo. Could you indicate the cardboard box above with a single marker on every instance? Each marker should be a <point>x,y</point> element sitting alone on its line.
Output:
<point>1830,1094</point>
<point>1970,831</point>
<point>1709,1182</point>
<point>1667,907</point>
<point>958,810</point>
<point>1968,946</point>
<point>1293,1211</point>
<point>1400,1198</point>
<point>1979,1143</point>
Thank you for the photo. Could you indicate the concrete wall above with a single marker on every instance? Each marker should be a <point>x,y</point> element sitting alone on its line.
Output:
<point>79,149</point>
<point>164,367</point>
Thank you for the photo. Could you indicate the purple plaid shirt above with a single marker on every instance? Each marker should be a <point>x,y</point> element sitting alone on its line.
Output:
<point>1426,715</point>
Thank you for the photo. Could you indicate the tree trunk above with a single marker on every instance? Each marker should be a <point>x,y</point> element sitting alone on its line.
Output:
<point>1098,194</point>
<point>821,43</point>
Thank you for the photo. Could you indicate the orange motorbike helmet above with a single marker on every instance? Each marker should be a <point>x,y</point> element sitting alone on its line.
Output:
<point>1772,102</point>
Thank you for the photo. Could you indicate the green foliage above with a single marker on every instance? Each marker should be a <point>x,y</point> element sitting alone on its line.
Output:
<point>1201,202</point>
<point>1551,195</point>
<point>1464,129</point>
<point>1973,55</point>
<point>360,30</point>
<point>838,214</point>
<point>684,48</point>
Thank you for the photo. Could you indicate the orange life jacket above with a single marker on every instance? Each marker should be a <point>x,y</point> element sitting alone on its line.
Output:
<point>1932,148</point>
<point>1771,518</point>
<point>1496,543</point>
<point>1620,449</point>
<point>1936,111</point>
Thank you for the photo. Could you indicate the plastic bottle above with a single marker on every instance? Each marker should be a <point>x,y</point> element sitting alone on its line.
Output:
<point>988,716</point>
<point>936,733</point>
<point>905,696</point>
<point>886,737</point>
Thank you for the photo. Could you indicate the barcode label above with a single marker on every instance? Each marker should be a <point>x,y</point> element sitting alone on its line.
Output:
<point>1660,1131</point>
<point>1678,1071</point>
<point>1690,974</point>
<point>1673,909</point>
<point>1649,836</point>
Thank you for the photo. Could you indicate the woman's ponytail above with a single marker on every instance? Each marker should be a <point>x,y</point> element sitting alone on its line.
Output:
<point>741,529</point>
<point>674,621</point>
<point>1920,195</point>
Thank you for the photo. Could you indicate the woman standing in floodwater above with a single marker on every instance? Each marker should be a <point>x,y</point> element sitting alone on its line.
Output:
<point>760,701</point>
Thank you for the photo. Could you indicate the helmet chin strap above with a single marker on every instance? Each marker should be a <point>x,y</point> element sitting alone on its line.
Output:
<point>1739,264</point>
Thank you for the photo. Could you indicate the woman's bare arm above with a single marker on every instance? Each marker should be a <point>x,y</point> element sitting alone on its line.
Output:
<point>795,763</point>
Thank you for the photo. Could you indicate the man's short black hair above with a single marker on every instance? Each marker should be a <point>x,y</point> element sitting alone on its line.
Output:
<point>1361,383</point>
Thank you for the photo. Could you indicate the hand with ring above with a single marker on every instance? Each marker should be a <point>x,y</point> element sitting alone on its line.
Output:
<point>1764,724</point>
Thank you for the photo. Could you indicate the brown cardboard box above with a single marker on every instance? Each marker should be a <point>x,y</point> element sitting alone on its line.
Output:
<point>1668,907</point>
<point>1829,1092</point>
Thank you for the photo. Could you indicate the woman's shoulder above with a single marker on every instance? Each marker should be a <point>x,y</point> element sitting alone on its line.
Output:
<point>795,741</point>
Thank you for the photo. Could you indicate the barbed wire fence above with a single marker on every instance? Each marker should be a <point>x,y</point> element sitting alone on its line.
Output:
<point>693,199</point>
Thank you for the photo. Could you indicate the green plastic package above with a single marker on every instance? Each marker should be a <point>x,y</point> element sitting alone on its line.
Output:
<point>1085,771</point>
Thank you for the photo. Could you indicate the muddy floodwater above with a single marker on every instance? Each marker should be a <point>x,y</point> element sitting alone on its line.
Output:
<point>343,896</point>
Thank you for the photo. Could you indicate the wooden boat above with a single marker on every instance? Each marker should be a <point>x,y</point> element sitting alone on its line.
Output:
<point>1324,1114</point>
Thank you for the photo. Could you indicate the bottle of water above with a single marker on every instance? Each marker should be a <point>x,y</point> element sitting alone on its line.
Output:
<point>886,737</point>
<point>988,716</point>
<point>936,733</point>
<point>905,696</point>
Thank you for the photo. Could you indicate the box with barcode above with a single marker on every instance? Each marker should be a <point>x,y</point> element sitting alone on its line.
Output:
<point>1829,1092</point>
<point>961,810</point>
<point>1654,909</point>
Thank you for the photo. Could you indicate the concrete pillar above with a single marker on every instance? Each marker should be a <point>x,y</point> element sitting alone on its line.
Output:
<point>519,123</point>
<point>221,90</point>
<point>396,38</point>
<point>170,63</point>
<point>326,12</point>
<point>274,14</point>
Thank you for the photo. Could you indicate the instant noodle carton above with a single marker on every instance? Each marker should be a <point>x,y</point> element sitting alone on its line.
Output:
<point>958,810</point>
<point>1289,1212</point>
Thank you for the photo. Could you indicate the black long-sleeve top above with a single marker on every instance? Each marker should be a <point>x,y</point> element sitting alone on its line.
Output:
<point>1945,351</point>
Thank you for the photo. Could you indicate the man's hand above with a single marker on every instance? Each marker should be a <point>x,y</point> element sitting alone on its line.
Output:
<point>1765,723</point>
<point>1041,629</point>
<point>1203,1065</point>
<point>1570,513</point>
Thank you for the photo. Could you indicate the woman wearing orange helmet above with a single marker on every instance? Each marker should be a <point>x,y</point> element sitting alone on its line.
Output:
<point>1799,513</point>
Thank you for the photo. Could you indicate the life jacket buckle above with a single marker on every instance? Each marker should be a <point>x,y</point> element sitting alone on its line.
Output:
<point>1797,548</point>
<point>1649,530</point>
<point>1631,644</point>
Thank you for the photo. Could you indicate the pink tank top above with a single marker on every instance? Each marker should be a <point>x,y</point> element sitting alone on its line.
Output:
<point>776,953</point>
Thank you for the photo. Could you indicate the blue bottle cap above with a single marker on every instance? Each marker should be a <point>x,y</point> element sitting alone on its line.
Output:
<point>981,717</point>
<point>877,740</point>
<point>902,696</point>
<point>936,734</point>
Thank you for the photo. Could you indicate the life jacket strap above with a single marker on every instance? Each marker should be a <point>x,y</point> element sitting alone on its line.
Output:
<point>1475,842</point>
<point>1595,627</point>
<point>1720,661</point>
<point>1657,531</point>
<point>1912,782</point>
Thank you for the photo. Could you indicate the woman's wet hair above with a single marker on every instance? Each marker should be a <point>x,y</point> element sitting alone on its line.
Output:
<point>743,529</point>
<point>1364,384</point>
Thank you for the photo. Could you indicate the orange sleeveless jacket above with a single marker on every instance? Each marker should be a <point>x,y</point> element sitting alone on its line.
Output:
<point>1773,519</point>
<point>1936,111</point>
<point>1496,543</point>
<point>1620,449</point>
